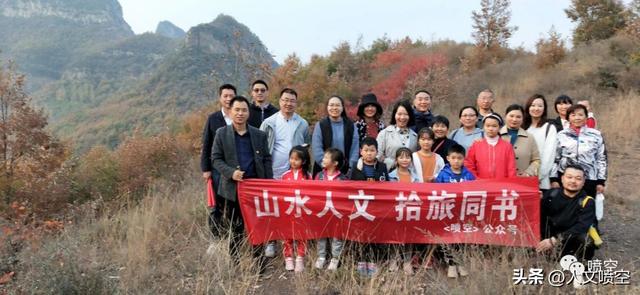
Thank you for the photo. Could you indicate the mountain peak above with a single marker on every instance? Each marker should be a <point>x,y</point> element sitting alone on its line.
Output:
<point>224,30</point>
<point>168,29</point>
<point>79,11</point>
<point>45,36</point>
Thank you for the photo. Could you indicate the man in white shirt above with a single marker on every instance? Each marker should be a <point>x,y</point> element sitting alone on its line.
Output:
<point>285,129</point>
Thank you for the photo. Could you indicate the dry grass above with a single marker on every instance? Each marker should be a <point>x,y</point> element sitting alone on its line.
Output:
<point>159,246</point>
<point>155,247</point>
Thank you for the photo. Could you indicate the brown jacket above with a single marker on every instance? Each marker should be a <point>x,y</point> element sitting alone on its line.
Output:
<point>526,150</point>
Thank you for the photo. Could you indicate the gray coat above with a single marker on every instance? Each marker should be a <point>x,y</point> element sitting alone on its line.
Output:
<point>225,160</point>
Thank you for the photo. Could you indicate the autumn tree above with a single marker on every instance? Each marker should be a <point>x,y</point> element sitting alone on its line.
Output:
<point>550,51</point>
<point>285,75</point>
<point>596,19</point>
<point>634,9</point>
<point>314,82</point>
<point>632,28</point>
<point>30,155</point>
<point>400,71</point>
<point>491,31</point>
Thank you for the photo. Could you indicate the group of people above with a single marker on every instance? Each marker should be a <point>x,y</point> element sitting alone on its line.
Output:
<point>258,140</point>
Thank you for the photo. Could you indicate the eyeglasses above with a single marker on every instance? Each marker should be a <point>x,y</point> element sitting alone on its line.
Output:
<point>468,116</point>
<point>260,90</point>
<point>291,101</point>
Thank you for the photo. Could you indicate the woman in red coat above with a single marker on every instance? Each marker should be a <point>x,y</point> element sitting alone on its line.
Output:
<point>491,157</point>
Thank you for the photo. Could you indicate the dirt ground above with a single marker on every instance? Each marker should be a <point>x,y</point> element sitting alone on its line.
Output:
<point>620,226</point>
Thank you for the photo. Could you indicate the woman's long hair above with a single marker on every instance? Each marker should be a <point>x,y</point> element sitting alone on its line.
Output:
<point>526,123</point>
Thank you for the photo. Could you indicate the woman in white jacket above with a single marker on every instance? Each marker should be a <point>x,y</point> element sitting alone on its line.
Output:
<point>397,134</point>
<point>544,132</point>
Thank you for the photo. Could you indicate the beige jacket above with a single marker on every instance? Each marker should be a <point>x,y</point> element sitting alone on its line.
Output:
<point>526,150</point>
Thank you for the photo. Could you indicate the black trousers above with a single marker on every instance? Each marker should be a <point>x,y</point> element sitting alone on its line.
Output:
<point>238,238</point>
<point>579,246</point>
<point>226,220</point>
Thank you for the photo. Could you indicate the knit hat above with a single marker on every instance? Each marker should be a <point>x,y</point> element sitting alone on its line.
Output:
<point>369,99</point>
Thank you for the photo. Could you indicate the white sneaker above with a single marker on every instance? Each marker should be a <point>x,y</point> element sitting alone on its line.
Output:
<point>211,250</point>
<point>299,264</point>
<point>270,250</point>
<point>320,262</point>
<point>452,272</point>
<point>393,265</point>
<point>407,267</point>
<point>333,264</point>
<point>288,263</point>
<point>462,271</point>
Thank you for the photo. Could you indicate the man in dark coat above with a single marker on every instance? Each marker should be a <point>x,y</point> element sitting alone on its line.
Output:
<point>239,152</point>
<point>261,108</point>
<point>422,110</point>
<point>215,121</point>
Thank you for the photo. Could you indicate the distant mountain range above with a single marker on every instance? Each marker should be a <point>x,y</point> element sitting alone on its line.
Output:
<point>99,81</point>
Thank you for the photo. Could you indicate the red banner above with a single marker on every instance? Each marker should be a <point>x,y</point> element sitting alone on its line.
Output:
<point>492,212</point>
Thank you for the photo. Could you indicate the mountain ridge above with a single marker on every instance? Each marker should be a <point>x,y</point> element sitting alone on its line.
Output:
<point>168,29</point>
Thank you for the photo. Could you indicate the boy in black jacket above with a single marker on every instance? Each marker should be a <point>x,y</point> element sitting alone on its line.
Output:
<point>369,169</point>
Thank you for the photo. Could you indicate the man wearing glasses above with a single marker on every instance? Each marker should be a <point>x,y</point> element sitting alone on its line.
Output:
<point>284,130</point>
<point>260,109</point>
<point>484,103</point>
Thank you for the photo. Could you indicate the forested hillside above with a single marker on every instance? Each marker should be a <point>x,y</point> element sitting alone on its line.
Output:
<point>98,81</point>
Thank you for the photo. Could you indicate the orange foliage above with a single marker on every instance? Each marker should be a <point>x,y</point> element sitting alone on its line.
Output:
<point>190,135</point>
<point>388,58</point>
<point>550,51</point>
<point>402,66</point>
<point>31,157</point>
<point>6,278</point>
<point>142,159</point>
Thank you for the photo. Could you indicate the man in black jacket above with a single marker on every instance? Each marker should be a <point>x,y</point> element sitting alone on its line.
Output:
<point>260,109</point>
<point>239,152</point>
<point>215,121</point>
<point>568,214</point>
<point>422,110</point>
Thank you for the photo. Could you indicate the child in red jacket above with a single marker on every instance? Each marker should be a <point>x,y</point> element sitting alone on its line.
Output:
<point>299,163</point>
<point>491,157</point>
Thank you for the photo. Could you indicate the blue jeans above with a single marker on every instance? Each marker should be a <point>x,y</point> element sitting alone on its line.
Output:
<point>336,248</point>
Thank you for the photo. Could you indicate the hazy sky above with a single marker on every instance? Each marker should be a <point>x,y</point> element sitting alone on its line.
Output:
<point>307,27</point>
